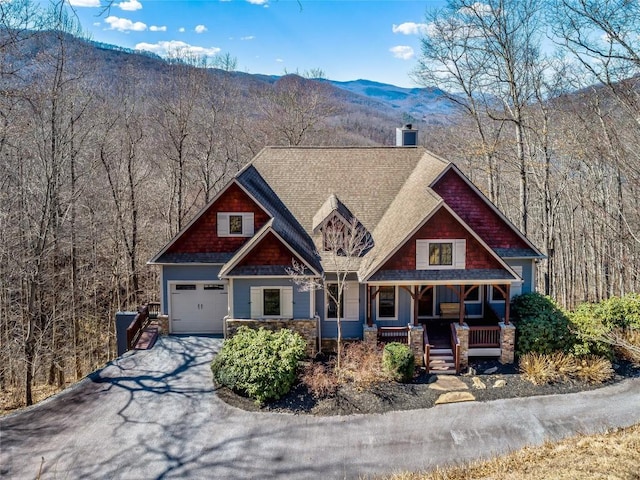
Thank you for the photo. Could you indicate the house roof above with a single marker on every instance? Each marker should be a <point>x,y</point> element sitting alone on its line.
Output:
<point>387,190</point>
<point>366,179</point>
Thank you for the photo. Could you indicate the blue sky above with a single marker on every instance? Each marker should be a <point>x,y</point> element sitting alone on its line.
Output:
<point>348,39</point>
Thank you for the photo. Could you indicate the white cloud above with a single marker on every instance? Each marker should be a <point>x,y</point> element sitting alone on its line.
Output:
<point>279,60</point>
<point>258,2</point>
<point>155,28</point>
<point>130,5</point>
<point>402,51</point>
<point>181,29</point>
<point>200,29</point>
<point>96,24</point>
<point>84,3</point>
<point>124,24</point>
<point>174,48</point>
<point>249,37</point>
<point>409,28</point>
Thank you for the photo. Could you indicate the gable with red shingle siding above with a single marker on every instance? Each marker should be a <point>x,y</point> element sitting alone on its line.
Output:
<point>269,251</point>
<point>443,226</point>
<point>202,236</point>
<point>475,212</point>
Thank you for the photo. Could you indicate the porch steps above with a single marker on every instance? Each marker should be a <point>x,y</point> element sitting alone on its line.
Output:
<point>441,361</point>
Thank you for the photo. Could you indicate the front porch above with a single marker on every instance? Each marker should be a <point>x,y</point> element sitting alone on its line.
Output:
<point>444,335</point>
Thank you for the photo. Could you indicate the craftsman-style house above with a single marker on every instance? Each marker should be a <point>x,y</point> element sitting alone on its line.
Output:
<point>442,266</point>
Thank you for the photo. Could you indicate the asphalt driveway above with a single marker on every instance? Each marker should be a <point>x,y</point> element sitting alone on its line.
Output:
<point>155,414</point>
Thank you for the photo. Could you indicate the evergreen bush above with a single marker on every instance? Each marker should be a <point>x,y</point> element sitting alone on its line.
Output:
<point>259,363</point>
<point>398,361</point>
<point>542,327</point>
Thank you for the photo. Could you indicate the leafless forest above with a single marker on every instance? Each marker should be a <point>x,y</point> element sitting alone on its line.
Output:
<point>104,155</point>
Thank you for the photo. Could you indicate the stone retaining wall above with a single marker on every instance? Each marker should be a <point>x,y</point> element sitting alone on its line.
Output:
<point>307,328</point>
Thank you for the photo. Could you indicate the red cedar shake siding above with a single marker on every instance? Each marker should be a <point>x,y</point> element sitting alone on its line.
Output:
<point>442,226</point>
<point>202,236</point>
<point>476,213</point>
<point>269,251</point>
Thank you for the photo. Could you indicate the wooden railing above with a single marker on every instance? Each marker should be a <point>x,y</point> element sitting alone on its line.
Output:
<point>455,347</point>
<point>427,349</point>
<point>154,310</point>
<point>484,336</point>
<point>393,334</point>
<point>137,326</point>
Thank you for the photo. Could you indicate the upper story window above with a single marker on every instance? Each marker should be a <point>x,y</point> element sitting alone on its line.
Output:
<point>440,254</point>
<point>235,224</point>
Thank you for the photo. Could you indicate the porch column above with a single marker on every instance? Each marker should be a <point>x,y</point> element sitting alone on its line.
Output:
<point>462,331</point>
<point>416,299</point>
<point>416,343</point>
<point>507,304</point>
<point>370,334</point>
<point>507,342</point>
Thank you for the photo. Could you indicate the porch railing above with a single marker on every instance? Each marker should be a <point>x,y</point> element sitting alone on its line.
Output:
<point>137,326</point>
<point>455,347</point>
<point>484,336</point>
<point>154,310</point>
<point>393,334</point>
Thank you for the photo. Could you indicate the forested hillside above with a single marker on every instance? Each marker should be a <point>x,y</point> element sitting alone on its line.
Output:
<point>105,154</point>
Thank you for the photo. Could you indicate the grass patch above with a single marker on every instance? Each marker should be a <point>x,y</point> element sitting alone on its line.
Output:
<point>611,455</point>
<point>543,369</point>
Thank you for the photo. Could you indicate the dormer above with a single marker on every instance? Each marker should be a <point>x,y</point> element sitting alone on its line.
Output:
<point>339,230</point>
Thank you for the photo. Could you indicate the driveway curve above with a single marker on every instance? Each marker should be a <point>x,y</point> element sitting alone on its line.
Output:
<point>155,414</point>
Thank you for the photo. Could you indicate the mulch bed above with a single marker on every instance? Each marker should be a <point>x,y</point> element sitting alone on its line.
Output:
<point>392,396</point>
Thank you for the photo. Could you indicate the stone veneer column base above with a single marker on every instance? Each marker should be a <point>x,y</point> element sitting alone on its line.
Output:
<point>416,343</point>
<point>370,334</point>
<point>163,323</point>
<point>507,342</point>
<point>306,327</point>
<point>462,331</point>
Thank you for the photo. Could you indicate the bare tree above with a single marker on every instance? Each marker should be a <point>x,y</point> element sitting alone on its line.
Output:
<point>344,244</point>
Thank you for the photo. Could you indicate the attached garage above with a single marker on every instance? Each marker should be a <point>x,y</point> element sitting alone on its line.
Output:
<point>198,307</point>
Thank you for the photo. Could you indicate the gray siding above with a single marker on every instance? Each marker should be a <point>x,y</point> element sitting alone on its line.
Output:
<point>350,328</point>
<point>242,296</point>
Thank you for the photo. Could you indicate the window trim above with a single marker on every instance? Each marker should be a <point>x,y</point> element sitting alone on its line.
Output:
<point>350,301</point>
<point>395,293</point>
<point>283,307</point>
<point>224,224</point>
<point>458,253</point>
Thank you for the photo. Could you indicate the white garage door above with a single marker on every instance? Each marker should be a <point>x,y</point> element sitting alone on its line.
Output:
<point>198,307</point>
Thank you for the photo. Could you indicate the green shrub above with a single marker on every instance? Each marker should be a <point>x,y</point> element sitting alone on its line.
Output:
<point>259,363</point>
<point>398,360</point>
<point>542,327</point>
<point>594,323</point>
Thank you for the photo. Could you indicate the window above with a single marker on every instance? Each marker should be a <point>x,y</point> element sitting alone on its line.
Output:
<point>214,286</point>
<point>235,224</point>
<point>496,295</point>
<point>183,286</point>
<point>473,296</point>
<point>332,306</point>
<point>440,254</point>
<point>271,299</point>
<point>350,304</point>
<point>271,302</point>
<point>387,302</point>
